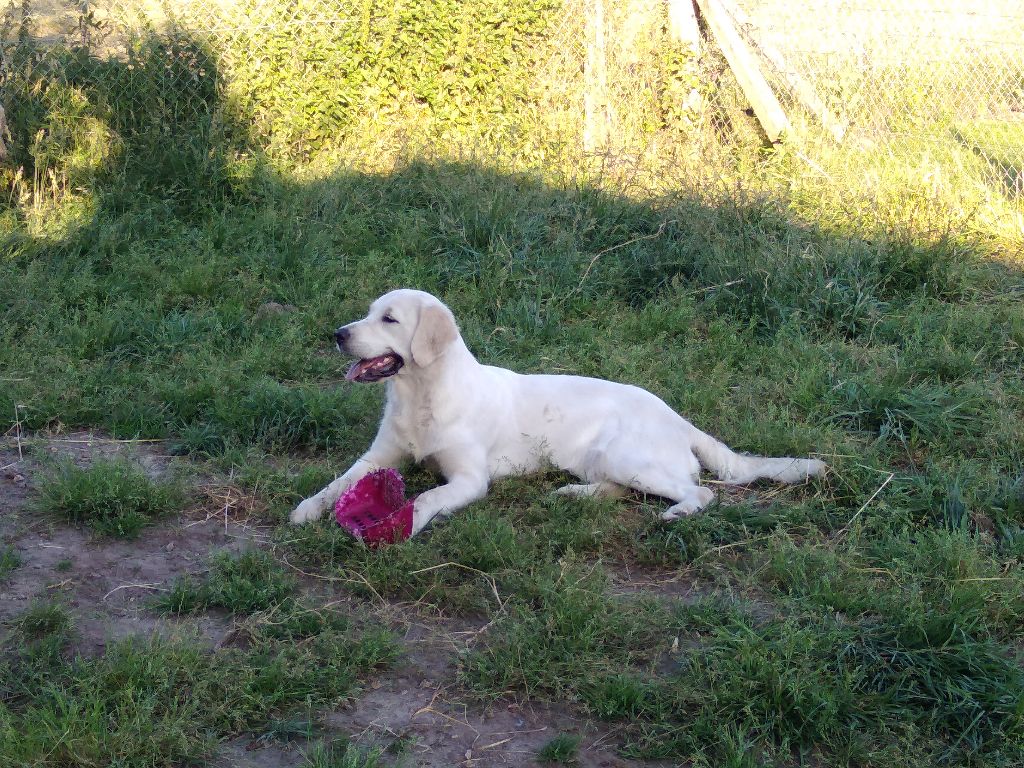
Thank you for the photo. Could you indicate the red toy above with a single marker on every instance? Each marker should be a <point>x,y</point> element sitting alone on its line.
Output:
<point>375,509</point>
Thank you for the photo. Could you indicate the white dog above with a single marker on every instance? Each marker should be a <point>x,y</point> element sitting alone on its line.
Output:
<point>477,422</point>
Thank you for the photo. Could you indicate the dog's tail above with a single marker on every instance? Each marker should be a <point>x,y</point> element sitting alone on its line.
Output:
<point>738,469</point>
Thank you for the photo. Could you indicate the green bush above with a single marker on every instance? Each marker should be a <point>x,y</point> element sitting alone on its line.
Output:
<point>459,68</point>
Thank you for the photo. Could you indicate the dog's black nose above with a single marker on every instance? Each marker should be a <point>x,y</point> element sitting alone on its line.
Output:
<point>341,335</point>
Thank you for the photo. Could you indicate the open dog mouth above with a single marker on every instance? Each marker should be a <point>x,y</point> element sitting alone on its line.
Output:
<point>375,368</point>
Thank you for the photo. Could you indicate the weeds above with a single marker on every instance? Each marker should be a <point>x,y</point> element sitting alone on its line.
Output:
<point>343,754</point>
<point>561,749</point>
<point>112,497</point>
<point>43,632</point>
<point>239,584</point>
<point>9,561</point>
<point>162,702</point>
<point>567,633</point>
<point>43,620</point>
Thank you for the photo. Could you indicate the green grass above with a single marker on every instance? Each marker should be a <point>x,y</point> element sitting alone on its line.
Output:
<point>112,497</point>
<point>890,351</point>
<point>9,561</point>
<point>164,702</point>
<point>343,754</point>
<point>42,620</point>
<point>41,634</point>
<point>561,749</point>
<point>244,583</point>
<point>859,310</point>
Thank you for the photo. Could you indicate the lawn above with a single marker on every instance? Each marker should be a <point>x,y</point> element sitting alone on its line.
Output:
<point>179,296</point>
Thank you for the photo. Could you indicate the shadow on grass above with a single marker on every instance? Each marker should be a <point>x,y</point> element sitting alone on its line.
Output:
<point>149,116</point>
<point>194,301</point>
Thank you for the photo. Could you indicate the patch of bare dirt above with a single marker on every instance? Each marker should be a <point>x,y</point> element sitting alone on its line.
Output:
<point>676,584</point>
<point>415,708</point>
<point>105,583</point>
<point>418,705</point>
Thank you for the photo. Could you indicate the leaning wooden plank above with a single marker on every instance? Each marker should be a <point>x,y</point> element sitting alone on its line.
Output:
<point>685,32</point>
<point>802,89</point>
<point>744,65</point>
<point>682,24</point>
<point>3,132</point>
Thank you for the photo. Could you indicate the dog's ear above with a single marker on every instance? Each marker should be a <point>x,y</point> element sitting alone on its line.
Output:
<point>434,332</point>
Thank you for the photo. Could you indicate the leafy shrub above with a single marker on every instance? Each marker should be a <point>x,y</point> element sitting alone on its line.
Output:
<point>461,66</point>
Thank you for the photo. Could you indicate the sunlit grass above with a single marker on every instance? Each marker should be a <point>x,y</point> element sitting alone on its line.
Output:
<point>850,304</point>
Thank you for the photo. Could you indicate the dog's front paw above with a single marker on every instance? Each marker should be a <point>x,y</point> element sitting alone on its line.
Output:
<point>306,512</point>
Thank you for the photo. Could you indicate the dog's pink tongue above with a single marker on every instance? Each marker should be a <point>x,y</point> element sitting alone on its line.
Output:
<point>357,369</point>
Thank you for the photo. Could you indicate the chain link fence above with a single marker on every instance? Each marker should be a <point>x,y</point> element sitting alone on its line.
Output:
<point>907,78</point>
<point>927,83</point>
<point>934,87</point>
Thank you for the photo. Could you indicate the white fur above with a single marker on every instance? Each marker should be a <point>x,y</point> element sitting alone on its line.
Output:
<point>477,423</point>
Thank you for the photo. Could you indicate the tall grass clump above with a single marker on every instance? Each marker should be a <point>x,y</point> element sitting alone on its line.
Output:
<point>163,702</point>
<point>9,561</point>
<point>112,497</point>
<point>240,584</point>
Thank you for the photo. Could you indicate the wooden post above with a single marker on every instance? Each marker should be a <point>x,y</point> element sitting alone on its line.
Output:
<point>3,132</point>
<point>682,24</point>
<point>685,32</point>
<point>595,71</point>
<point>802,89</point>
<point>744,65</point>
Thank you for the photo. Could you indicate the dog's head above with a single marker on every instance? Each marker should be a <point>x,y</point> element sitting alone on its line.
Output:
<point>405,330</point>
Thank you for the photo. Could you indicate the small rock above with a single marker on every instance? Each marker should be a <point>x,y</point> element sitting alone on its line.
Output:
<point>170,546</point>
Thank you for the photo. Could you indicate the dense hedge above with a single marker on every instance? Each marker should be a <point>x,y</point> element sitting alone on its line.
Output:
<point>464,69</point>
<point>283,78</point>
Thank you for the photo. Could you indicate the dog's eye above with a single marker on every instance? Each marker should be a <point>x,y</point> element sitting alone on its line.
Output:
<point>388,319</point>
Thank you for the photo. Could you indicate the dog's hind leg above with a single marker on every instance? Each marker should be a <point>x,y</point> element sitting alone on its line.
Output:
<point>592,490</point>
<point>660,472</point>
<point>668,482</point>
<point>697,497</point>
